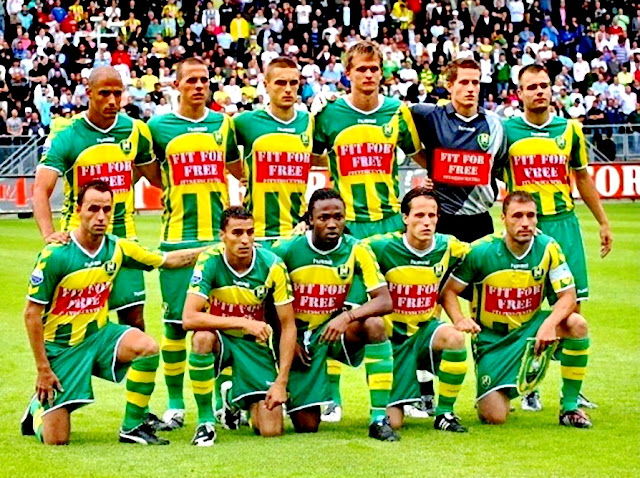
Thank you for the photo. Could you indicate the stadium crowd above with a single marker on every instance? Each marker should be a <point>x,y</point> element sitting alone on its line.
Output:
<point>48,48</point>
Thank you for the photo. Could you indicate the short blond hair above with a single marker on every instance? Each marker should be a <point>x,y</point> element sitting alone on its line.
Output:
<point>279,62</point>
<point>364,48</point>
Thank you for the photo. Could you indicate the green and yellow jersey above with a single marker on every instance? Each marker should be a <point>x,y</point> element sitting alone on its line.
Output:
<point>541,159</point>
<point>362,154</point>
<point>509,290</point>
<point>75,285</point>
<point>82,152</point>
<point>231,294</point>
<point>414,278</point>
<point>193,155</point>
<point>277,162</point>
<point>322,279</point>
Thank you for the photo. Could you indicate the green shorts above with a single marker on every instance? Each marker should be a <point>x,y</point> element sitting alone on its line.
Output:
<point>254,368</point>
<point>407,356</point>
<point>362,230</point>
<point>309,386</point>
<point>74,366</point>
<point>175,282</point>
<point>565,229</point>
<point>498,356</point>
<point>128,289</point>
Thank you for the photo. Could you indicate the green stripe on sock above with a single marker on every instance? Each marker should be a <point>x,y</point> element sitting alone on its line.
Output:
<point>134,412</point>
<point>448,378</point>
<point>201,370</point>
<point>570,387</point>
<point>175,382</point>
<point>382,353</point>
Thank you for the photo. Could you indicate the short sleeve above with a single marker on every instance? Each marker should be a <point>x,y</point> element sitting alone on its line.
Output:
<point>560,276</point>
<point>579,156</point>
<point>280,283</point>
<point>320,138</point>
<point>232,146</point>
<point>135,256</point>
<point>145,145</point>
<point>408,140</point>
<point>203,277</point>
<point>367,267</point>
<point>56,155</point>
<point>45,276</point>
<point>468,269</point>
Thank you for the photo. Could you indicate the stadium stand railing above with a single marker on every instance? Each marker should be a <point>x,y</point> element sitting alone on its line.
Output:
<point>625,137</point>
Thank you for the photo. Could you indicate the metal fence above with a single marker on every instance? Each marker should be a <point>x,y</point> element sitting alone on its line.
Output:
<point>613,142</point>
<point>19,155</point>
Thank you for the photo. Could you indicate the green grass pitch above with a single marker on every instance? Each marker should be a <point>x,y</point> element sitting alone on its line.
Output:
<point>529,444</point>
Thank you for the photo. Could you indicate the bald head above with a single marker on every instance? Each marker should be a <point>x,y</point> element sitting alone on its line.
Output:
<point>103,73</point>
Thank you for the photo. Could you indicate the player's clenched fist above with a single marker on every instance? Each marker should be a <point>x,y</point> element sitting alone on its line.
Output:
<point>260,330</point>
<point>467,325</point>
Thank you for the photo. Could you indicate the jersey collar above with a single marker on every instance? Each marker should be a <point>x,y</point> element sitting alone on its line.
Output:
<point>315,249</point>
<point>370,112</point>
<point>235,272</point>
<point>419,252</point>
<point>191,120</point>
<point>452,112</point>
<point>104,131</point>
<point>525,254</point>
<point>268,111</point>
<point>542,126</point>
<point>84,251</point>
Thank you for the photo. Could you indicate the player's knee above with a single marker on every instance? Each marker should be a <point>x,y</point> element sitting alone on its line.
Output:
<point>306,421</point>
<point>452,339</point>
<point>492,416</point>
<point>577,326</point>
<point>203,341</point>
<point>270,429</point>
<point>374,329</point>
<point>144,345</point>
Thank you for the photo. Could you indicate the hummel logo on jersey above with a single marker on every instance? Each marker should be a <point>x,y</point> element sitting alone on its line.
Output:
<point>240,283</point>
<point>92,263</point>
<point>466,128</point>
<point>413,262</point>
<point>287,130</point>
<point>323,262</point>
<point>366,121</point>
<point>540,133</point>
<point>196,129</point>
<point>519,266</point>
<point>106,140</point>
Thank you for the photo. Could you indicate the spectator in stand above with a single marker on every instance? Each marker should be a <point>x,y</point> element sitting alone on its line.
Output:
<point>14,124</point>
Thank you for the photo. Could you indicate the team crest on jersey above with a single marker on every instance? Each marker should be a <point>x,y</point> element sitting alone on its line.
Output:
<point>37,277</point>
<point>387,130</point>
<point>260,292</point>
<point>483,141</point>
<point>304,137</point>
<point>344,271</point>
<point>217,135</point>
<point>438,269</point>
<point>126,146</point>
<point>485,381</point>
<point>561,142</point>
<point>110,267</point>
<point>537,273</point>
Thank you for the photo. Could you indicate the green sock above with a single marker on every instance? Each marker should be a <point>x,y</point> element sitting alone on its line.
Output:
<point>451,372</point>
<point>174,357</point>
<point>36,412</point>
<point>141,380</point>
<point>334,369</point>
<point>378,362</point>
<point>201,372</point>
<point>226,375</point>
<point>573,363</point>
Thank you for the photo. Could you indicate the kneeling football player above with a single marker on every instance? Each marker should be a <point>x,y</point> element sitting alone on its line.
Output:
<point>71,337</point>
<point>225,307</point>
<point>511,274</point>
<point>322,264</point>
<point>414,263</point>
